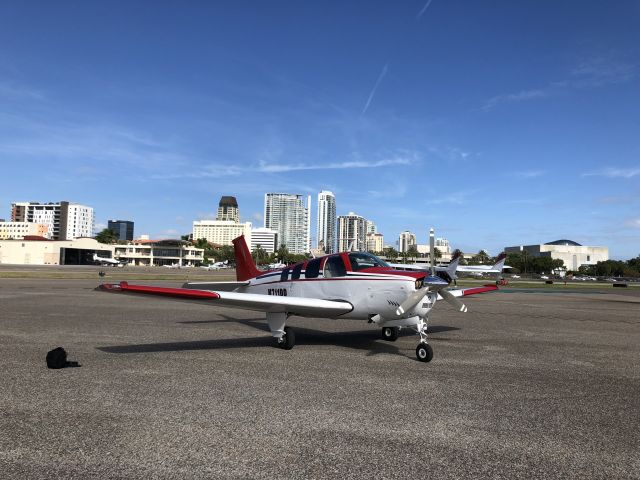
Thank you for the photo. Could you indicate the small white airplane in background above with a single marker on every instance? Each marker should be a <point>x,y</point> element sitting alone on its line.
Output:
<point>104,261</point>
<point>347,285</point>
<point>477,270</point>
<point>274,266</point>
<point>173,265</point>
<point>216,266</point>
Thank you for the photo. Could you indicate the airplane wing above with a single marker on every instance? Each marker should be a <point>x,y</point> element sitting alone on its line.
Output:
<point>463,292</point>
<point>215,286</point>
<point>248,301</point>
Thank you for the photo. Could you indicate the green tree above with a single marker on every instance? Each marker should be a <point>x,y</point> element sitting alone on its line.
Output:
<point>107,236</point>
<point>412,252</point>
<point>283,254</point>
<point>260,255</point>
<point>390,253</point>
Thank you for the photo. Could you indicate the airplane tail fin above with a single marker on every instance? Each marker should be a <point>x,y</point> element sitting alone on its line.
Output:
<point>453,264</point>
<point>499,265</point>
<point>245,267</point>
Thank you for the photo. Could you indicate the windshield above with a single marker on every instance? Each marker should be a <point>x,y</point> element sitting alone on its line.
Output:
<point>360,260</point>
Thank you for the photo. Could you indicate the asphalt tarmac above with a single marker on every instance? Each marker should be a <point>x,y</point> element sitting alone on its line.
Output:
<point>526,385</point>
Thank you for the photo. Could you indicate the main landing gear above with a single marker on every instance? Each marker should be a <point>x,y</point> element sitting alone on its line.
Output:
<point>288,340</point>
<point>390,333</point>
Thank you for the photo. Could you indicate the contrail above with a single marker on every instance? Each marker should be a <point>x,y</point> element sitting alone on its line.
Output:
<point>375,87</point>
<point>424,9</point>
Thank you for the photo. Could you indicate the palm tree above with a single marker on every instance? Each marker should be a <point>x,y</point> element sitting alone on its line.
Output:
<point>525,256</point>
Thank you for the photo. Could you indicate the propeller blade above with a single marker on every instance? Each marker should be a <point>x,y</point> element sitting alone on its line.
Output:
<point>411,301</point>
<point>451,300</point>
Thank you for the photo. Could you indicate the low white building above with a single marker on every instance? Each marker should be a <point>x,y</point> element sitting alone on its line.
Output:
<point>81,250</point>
<point>52,252</point>
<point>159,253</point>
<point>571,253</point>
<point>19,230</point>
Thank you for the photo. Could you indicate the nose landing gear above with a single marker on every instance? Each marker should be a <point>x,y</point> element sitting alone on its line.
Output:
<point>424,352</point>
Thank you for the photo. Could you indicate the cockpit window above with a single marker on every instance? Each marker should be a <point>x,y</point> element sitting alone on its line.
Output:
<point>313,268</point>
<point>295,273</point>
<point>284,276</point>
<point>334,267</point>
<point>361,260</point>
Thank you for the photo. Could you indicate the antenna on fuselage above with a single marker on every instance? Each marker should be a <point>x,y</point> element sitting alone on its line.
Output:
<point>432,251</point>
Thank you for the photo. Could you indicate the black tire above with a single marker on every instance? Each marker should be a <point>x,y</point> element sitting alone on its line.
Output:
<point>288,339</point>
<point>390,333</point>
<point>424,352</point>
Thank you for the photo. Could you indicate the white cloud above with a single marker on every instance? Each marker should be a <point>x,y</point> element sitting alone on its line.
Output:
<point>515,97</point>
<point>613,172</point>
<point>633,223</point>
<point>528,174</point>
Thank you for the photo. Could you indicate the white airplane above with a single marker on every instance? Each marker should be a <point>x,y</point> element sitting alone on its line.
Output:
<point>274,266</point>
<point>350,285</point>
<point>480,269</point>
<point>216,266</point>
<point>477,270</point>
<point>104,261</point>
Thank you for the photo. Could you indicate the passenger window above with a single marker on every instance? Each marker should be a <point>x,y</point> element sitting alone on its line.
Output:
<point>297,270</point>
<point>285,275</point>
<point>334,267</point>
<point>313,268</point>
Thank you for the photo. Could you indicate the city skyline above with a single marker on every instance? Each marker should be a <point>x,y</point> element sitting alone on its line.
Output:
<point>497,124</point>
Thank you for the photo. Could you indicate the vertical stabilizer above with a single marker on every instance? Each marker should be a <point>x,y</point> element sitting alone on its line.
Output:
<point>245,267</point>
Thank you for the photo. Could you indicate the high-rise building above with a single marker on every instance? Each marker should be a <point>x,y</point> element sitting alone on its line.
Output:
<point>352,233</point>
<point>65,220</point>
<point>375,242</point>
<point>228,209</point>
<point>286,214</point>
<point>371,227</point>
<point>122,228</point>
<point>326,221</point>
<point>225,227</point>
<point>406,240</point>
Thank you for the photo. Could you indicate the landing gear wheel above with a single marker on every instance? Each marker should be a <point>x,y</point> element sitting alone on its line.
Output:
<point>288,340</point>
<point>424,352</point>
<point>390,333</point>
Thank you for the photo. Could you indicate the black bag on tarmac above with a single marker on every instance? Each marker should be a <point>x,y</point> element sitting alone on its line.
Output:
<point>57,358</point>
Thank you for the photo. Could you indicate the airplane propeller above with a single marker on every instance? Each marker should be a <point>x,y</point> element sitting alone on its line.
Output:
<point>412,300</point>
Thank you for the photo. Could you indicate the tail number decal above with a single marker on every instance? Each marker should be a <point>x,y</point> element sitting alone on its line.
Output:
<point>281,292</point>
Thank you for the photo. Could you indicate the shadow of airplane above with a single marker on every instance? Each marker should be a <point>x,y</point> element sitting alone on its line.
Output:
<point>357,339</point>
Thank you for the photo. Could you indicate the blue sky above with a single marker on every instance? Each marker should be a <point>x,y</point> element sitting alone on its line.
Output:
<point>497,123</point>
